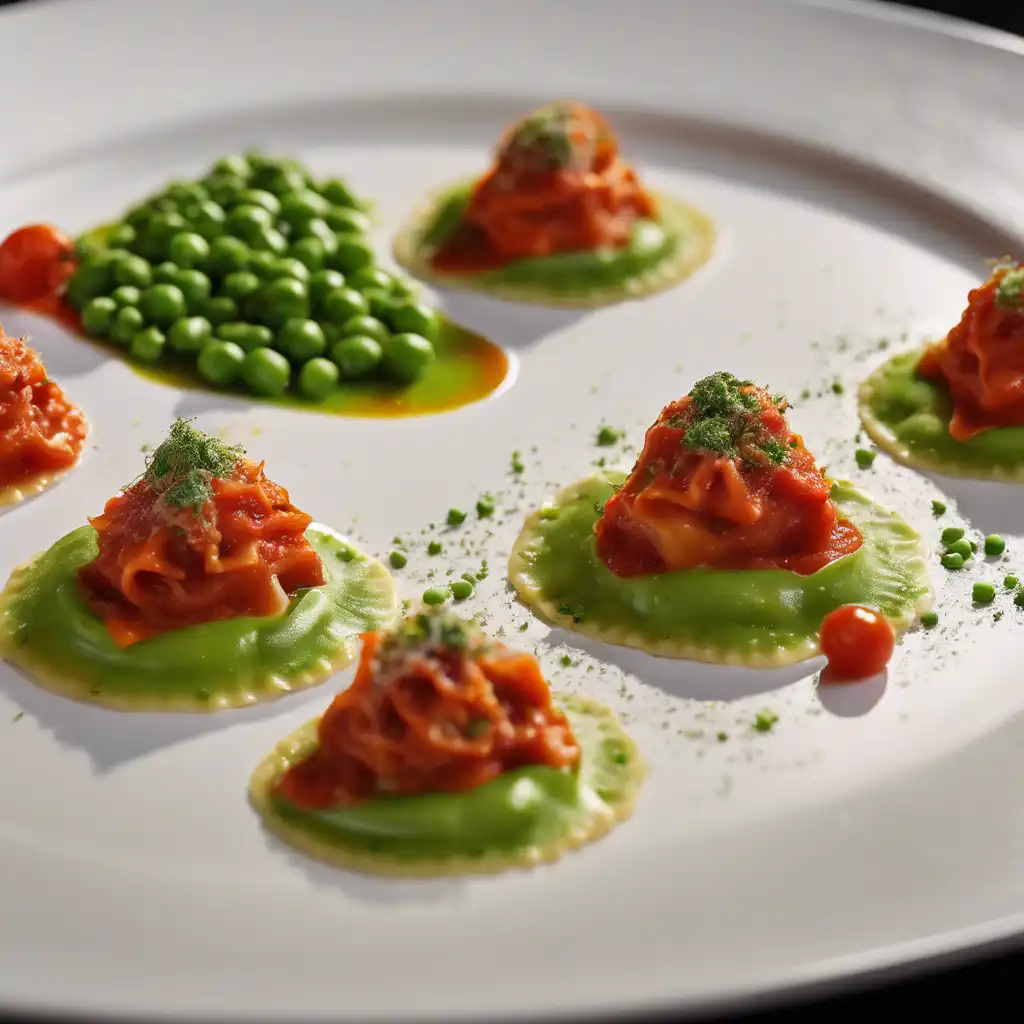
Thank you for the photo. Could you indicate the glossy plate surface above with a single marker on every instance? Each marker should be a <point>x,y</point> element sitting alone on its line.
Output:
<point>857,162</point>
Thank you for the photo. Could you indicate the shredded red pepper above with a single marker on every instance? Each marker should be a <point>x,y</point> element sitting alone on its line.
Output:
<point>426,714</point>
<point>685,507</point>
<point>161,567</point>
<point>557,185</point>
<point>981,360</point>
<point>41,431</point>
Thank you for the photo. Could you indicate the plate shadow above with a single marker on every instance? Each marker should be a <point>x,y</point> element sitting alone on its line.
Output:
<point>850,700</point>
<point>990,506</point>
<point>510,324</point>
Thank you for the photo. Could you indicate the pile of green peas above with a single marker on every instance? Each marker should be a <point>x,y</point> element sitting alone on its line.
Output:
<point>260,274</point>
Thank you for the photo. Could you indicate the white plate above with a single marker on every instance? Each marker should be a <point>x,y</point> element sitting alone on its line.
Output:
<point>861,163</point>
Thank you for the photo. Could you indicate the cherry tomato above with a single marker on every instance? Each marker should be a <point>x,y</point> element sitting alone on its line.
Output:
<point>857,641</point>
<point>34,260</point>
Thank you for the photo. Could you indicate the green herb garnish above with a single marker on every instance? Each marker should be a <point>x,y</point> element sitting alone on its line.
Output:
<point>1010,291</point>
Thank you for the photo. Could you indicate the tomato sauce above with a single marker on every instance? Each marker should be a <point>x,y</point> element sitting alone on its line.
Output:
<point>161,566</point>
<point>557,185</point>
<point>685,508</point>
<point>41,431</point>
<point>430,716</point>
<point>981,361</point>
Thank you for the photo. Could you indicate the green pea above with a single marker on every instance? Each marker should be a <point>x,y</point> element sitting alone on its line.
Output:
<point>408,356</point>
<point>194,285</point>
<point>97,315</point>
<point>952,560</point>
<point>405,289</point>
<point>302,205</point>
<point>485,508</point>
<point>398,560</point>
<point>461,589</point>
<point>240,285</point>
<point>248,222</point>
<point>338,193</point>
<point>951,534</point>
<point>434,547</point>
<point>961,547</point>
<point>126,295</point>
<point>261,262</point>
<point>318,228</point>
<point>347,221</point>
<point>219,310</point>
<point>929,619</point>
<point>284,266</point>
<point>368,279</point>
<point>227,254</point>
<point>189,334</point>
<point>456,517</point>
<point>382,304</point>
<point>246,336</point>
<point>321,282</point>
<point>165,273</point>
<point>1010,582</point>
<point>162,304</point>
<point>154,237</point>
<point>301,339</point>
<point>94,277</point>
<point>318,378</point>
<point>266,371</point>
<point>224,189</point>
<point>309,252</point>
<point>188,249</point>
<point>366,327</point>
<point>220,362</point>
<point>414,318</point>
<point>279,177</point>
<point>994,544</point>
<point>351,255</point>
<point>121,236</point>
<point>435,595</point>
<point>260,197</point>
<point>133,270</point>
<point>340,305</point>
<point>207,219</point>
<point>356,356</point>
<point>284,298</point>
<point>938,507</point>
<point>269,240</point>
<point>127,322</point>
<point>148,345</point>
<point>186,192</point>
<point>235,165</point>
<point>983,592</point>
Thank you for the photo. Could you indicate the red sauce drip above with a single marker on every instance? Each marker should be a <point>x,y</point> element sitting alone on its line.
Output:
<point>981,361</point>
<point>685,509</point>
<point>439,719</point>
<point>41,431</point>
<point>557,185</point>
<point>161,567</point>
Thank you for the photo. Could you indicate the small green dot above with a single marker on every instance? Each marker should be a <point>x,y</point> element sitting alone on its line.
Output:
<point>938,507</point>
<point>1018,599</point>
<point>517,463</point>
<point>461,589</point>
<point>929,619</point>
<point>398,560</point>
<point>1010,582</point>
<point>994,544</point>
<point>961,547</point>
<point>951,534</point>
<point>865,457</point>
<point>837,387</point>
<point>456,517</point>
<point>983,592</point>
<point>608,436</point>
<point>434,548</point>
<point>722,737</point>
<point>485,508</point>
<point>435,595</point>
<point>953,560</point>
<point>764,720</point>
<point>566,661</point>
<point>345,553</point>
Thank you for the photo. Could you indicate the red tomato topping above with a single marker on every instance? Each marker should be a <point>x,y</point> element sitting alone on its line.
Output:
<point>34,261</point>
<point>857,641</point>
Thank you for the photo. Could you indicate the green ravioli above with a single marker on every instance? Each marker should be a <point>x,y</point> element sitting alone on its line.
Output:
<point>47,630</point>
<point>659,255</point>
<point>519,819</point>
<point>760,618</point>
<point>909,418</point>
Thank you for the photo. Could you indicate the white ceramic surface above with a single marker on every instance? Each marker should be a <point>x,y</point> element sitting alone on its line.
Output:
<point>862,164</point>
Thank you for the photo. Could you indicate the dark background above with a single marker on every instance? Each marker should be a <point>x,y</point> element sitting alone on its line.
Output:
<point>989,990</point>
